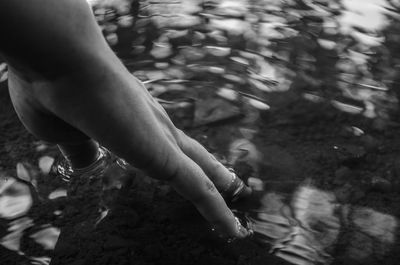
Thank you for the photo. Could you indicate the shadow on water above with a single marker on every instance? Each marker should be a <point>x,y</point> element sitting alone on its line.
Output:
<point>300,97</point>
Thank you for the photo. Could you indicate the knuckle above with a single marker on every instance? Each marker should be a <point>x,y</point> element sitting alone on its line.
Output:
<point>169,171</point>
<point>165,166</point>
<point>210,187</point>
<point>181,138</point>
<point>216,166</point>
<point>207,190</point>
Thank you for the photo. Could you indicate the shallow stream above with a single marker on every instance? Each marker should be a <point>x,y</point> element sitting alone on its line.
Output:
<point>300,97</point>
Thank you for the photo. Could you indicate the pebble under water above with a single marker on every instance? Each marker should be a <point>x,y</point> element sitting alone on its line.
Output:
<point>299,97</point>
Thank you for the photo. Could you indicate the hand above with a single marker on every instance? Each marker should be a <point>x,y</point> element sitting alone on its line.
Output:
<point>80,89</point>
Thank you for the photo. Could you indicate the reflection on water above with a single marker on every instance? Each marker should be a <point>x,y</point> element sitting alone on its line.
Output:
<point>258,47</point>
<point>307,229</point>
<point>227,62</point>
<point>16,199</point>
<point>369,15</point>
<point>302,227</point>
<point>18,195</point>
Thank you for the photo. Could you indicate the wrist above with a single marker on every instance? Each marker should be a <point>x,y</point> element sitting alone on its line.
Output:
<point>82,154</point>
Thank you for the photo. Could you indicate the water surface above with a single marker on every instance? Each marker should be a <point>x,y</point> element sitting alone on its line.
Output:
<point>300,97</point>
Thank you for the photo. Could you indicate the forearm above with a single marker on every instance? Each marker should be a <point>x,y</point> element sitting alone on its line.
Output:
<point>49,38</point>
<point>75,74</point>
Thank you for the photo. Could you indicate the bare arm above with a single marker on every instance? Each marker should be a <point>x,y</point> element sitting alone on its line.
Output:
<point>76,77</point>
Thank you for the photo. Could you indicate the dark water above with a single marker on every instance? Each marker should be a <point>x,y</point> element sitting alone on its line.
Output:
<point>225,69</point>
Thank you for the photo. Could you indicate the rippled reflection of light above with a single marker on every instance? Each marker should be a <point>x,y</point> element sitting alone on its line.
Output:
<point>45,163</point>
<point>15,198</point>
<point>368,14</point>
<point>307,228</point>
<point>12,240</point>
<point>57,194</point>
<point>47,237</point>
<point>40,260</point>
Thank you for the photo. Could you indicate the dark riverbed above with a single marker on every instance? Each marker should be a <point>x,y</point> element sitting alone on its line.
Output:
<point>300,97</point>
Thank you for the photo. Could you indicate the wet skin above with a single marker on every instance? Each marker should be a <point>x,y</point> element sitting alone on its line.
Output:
<point>69,88</point>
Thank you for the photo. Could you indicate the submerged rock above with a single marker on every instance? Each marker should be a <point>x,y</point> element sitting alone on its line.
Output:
<point>371,233</point>
<point>215,110</point>
<point>45,164</point>
<point>342,175</point>
<point>47,237</point>
<point>15,198</point>
<point>380,184</point>
<point>349,154</point>
<point>244,151</point>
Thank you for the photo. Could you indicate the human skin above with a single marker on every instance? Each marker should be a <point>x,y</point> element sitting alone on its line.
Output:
<point>68,87</point>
